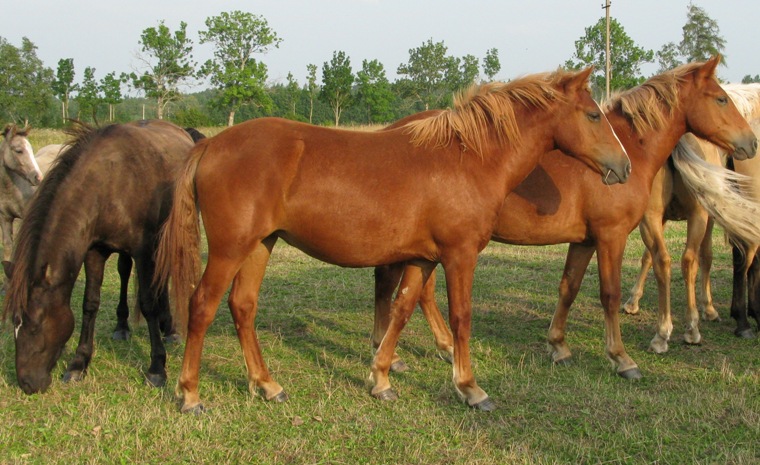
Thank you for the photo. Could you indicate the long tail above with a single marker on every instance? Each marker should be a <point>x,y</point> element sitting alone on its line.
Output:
<point>178,255</point>
<point>718,190</point>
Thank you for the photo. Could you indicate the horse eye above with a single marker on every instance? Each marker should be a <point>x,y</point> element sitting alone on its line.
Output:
<point>594,116</point>
<point>722,101</point>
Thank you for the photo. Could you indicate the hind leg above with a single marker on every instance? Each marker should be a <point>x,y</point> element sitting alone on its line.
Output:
<point>243,303</point>
<point>631,307</point>
<point>122,331</point>
<point>94,264</point>
<point>696,231</point>
<point>386,281</point>
<point>705,265</point>
<point>739,300</point>
<point>151,305</point>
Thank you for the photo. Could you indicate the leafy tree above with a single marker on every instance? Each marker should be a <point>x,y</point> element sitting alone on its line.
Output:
<point>292,92</point>
<point>168,58</point>
<point>63,84</point>
<point>240,79</point>
<point>491,64</point>
<point>701,37</point>
<point>749,79</point>
<point>374,92</point>
<point>89,94</point>
<point>312,88</point>
<point>110,85</point>
<point>668,57</point>
<point>337,81</point>
<point>426,73</point>
<point>626,57</point>
<point>25,84</point>
<point>461,73</point>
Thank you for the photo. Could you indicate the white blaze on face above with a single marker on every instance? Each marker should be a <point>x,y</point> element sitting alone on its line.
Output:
<point>17,329</point>
<point>30,151</point>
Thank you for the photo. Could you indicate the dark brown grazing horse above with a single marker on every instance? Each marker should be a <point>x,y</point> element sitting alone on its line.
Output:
<point>558,202</point>
<point>110,192</point>
<point>425,193</point>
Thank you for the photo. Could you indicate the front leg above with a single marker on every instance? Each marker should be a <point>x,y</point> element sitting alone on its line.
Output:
<point>122,331</point>
<point>651,228</point>
<point>695,235</point>
<point>94,264</point>
<point>578,258</point>
<point>705,265</point>
<point>631,307</point>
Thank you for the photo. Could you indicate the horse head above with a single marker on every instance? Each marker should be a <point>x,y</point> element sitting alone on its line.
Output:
<point>18,155</point>
<point>583,131</point>
<point>41,330</point>
<point>712,115</point>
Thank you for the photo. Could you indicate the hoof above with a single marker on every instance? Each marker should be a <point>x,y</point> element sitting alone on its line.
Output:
<point>172,338</point>
<point>121,335</point>
<point>567,361</point>
<point>386,395</point>
<point>75,375</point>
<point>747,333</point>
<point>485,405</point>
<point>155,380</point>
<point>631,373</point>
<point>446,356</point>
<point>197,409</point>
<point>282,396</point>
<point>399,366</point>
<point>629,310</point>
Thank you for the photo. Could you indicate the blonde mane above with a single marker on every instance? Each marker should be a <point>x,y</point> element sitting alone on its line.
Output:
<point>645,105</point>
<point>484,107</point>
<point>746,97</point>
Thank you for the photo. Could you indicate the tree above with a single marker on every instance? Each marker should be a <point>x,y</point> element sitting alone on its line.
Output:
<point>292,92</point>
<point>25,84</point>
<point>89,94</point>
<point>374,92</point>
<point>626,57</point>
<point>491,64</point>
<point>425,73</point>
<point>750,79</point>
<point>110,85</point>
<point>63,84</point>
<point>312,88</point>
<point>168,57</point>
<point>668,57</point>
<point>461,73</point>
<point>701,37</point>
<point>240,79</point>
<point>337,81</point>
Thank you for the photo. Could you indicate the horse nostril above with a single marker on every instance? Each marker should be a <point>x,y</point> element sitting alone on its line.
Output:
<point>754,145</point>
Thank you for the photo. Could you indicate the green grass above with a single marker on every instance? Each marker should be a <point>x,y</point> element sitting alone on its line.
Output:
<point>696,404</point>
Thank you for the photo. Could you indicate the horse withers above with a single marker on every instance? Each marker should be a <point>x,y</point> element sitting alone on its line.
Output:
<point>326,191</point>
<point>109,192</point>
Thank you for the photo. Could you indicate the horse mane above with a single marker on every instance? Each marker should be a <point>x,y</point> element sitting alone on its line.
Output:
<point>746,97</point>
<point>481,107</point>
<point>29,237</point>
<point>643,104</point>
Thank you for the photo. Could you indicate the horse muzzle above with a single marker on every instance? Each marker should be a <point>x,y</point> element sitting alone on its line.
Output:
<point>616,174</point>
<point>32,383</point>
<point>745,149</point>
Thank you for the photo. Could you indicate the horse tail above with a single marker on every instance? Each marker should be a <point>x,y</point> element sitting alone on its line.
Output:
<point>178,253</point>
<point>719,191</point>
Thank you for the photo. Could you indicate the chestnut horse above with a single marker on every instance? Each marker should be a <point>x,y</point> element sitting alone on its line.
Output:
<point>425,193</point>
<point>558,202</point>
<point>19,173</point>
<point>109,192</point>
<point>701,201</point>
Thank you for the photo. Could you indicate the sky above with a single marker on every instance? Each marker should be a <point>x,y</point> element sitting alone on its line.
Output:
<point>531,36</point>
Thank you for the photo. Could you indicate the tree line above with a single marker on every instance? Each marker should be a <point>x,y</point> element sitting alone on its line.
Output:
<point>338,92</point>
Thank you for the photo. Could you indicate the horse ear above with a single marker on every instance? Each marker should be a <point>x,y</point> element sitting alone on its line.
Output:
<point>707,70</point>
<point>9,129</point>
<point>580,79</point>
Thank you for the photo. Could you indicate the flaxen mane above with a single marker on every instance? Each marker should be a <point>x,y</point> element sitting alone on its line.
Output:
<point>483,107</point>
<point>645,105</point>
<point>746,97</point>
<point>25,268</point>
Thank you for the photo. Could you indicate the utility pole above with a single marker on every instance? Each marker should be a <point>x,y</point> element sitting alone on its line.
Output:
<point>606,7</point>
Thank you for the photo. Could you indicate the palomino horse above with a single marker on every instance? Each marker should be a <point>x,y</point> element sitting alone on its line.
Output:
<point>558,202</point>
<point>425,193</point>
<point>109,192</point>
<point>745,300</point>
<point>678,195</point>
<point>19,173</point>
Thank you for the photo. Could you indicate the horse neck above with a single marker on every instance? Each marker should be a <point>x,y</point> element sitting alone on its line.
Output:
<point>14,188</point>
<point>648,151</point>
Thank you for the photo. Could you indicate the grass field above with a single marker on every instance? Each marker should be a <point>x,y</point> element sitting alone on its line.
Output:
<point>695,404</point>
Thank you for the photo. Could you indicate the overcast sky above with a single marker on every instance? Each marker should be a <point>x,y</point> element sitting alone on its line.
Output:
<point>531,36</point>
